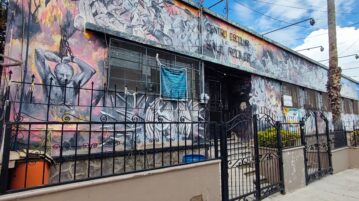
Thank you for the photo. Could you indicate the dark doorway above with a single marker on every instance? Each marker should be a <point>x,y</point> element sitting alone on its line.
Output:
<point>228,90</point>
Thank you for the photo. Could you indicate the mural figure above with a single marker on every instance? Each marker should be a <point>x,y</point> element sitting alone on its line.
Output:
<point>63,77</point>
<point>163,21</point>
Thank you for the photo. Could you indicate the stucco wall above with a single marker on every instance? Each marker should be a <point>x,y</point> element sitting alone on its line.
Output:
<point>293,165</point>
<point>340,158</point>
<point>354,157</point>
<point>345,158</point>
<point>194,182</point>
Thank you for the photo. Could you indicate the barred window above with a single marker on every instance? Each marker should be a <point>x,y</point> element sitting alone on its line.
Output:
<point>348,106</point>
<point>355,107</point>
<point>325,102</point>
<point>310,99</point>
<point>135,67</point>
<point>292,91</point>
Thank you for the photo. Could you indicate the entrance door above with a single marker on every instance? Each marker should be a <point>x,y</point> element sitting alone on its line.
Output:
<point>251,168</point>
<point>318,160</point>
<point>215,103</point>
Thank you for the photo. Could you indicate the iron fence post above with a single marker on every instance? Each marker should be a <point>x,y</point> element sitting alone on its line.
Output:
<point>329,145</point>
<point>216,137</point>
<point>317,146</point>
<point>6,150</point>
<point>280,156</point>
<point>256,153</point>
<point>304,144</point>
<point>224,160</point>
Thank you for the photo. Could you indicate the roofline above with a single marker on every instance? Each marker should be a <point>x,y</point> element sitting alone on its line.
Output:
<point>250,31</point>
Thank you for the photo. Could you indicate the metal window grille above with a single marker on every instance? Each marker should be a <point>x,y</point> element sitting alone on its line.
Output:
<point>310,99</point>
<point>135,67</point>
<point>291,90</point>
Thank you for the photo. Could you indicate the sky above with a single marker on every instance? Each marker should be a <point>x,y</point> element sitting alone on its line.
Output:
<point>266,15</point>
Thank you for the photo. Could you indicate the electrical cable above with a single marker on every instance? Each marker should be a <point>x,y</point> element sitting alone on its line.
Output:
<point>301,8</point>
<point>351,68</point>
<point>265,15</point>
<point>349,25</point>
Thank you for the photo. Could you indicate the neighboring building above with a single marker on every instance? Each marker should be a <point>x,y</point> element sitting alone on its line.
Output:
<point>95,61</point>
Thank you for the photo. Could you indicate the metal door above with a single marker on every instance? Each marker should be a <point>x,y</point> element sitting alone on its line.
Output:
<point>251,169</point>
<point>318,162</point>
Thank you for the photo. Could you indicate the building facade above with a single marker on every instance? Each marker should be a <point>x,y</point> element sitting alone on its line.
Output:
<point>115,43</point>
<point>95,61</point>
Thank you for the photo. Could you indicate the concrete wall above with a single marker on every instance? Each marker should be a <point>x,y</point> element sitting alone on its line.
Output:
<point>340,159</point>
<point>193,182</point>
<point>354,157</point>
<point>345,158</point>
<point>293,165</point>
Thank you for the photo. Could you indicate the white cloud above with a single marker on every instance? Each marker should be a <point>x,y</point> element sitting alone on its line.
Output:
<point>347,41</point>
<point>284,10</point>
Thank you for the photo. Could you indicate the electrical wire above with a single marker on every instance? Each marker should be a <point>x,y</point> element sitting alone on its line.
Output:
<point>349,25</point>
<point>356,55</point>
<point>301,8</point>
<point>351,68</point>
<point>265,15</point>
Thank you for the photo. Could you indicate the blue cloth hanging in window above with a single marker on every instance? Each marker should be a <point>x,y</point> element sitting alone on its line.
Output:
<point>173,83</point>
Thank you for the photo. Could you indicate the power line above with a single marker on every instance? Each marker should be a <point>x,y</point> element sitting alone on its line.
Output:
<point>265,15</point>
<point>318,34</point>
<point>301,8</point>
<point>356,57</point>
<point>351,68</point>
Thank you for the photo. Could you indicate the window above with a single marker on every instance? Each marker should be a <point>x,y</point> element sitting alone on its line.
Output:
<point>310,99</point>
<point>355,107</point>
<point>348,106</point>
<point>292,91</point>
<point>325,102</point>
<point>135,67</point>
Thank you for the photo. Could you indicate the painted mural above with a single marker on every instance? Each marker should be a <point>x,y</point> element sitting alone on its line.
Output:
<point>265,96</point>
<point>65,74</point>
<point>227,43</point>
<point>169,23</point>
<point>349,89</point>
<point>175,25</point>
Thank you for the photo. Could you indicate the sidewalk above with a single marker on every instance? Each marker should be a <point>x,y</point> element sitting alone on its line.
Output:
<point>343,186</point>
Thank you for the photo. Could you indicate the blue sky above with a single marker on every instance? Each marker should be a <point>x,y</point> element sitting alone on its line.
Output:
<point>266,15</point>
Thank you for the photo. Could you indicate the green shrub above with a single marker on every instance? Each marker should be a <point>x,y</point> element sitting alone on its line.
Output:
<point>268,138</point>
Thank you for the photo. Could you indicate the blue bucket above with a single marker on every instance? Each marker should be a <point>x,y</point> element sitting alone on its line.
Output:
<point>193,158</point>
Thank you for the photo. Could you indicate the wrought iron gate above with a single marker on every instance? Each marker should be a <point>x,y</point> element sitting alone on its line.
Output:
<point>315,131</point>
<point>252,169</point>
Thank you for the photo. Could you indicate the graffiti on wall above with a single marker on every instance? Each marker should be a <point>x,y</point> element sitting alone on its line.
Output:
<point>349,89</point>
<point>64,61</point>
<point>266,95</point>
<point>169,23</point>
<point>227,43</point>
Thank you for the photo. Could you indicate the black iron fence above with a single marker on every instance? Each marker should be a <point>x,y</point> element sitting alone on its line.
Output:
<point>338,136</point>
<point>57,153</point>
<point>57,134</point>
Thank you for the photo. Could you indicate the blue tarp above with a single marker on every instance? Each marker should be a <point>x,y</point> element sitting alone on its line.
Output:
<point>173,83</point>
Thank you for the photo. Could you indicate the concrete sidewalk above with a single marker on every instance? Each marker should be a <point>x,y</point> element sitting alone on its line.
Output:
<point>343,186</point>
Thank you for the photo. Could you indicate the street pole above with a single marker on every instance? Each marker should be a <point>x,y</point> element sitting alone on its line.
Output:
<point>334,75</point>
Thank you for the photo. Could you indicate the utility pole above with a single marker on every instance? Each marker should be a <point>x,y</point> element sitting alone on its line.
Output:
<point>227,9</point>
<point>334,75</point>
